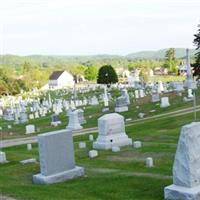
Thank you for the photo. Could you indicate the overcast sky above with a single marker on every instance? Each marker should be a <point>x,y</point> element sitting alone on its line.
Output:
<point>82,27</point>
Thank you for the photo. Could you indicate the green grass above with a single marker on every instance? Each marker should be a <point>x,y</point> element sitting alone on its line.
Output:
<point>113,176</point>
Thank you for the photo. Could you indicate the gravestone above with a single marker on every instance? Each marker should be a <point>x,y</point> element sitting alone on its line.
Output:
<point>74,123</point>
<point>164,102</point>
<point>57,162</point>
<point>136,94</point>
<point>186,173</point>
<point>190,95</point>
<point>54,120</point>
<point>30,129</point>
<point>122,102</point>
<point>155,97</point>
<point>111,130</point>
<point>81,117</point>
<point>93,154</point>
<point>3,157</point>
<point>23,117</point>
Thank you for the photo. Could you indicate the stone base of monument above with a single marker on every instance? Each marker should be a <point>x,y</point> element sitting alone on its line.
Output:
<point>174,192</point>
<point>55,123</point>
<point>121,109</point>
<point>74,127</point>
<point>108,141</point>
<point>59,177</point>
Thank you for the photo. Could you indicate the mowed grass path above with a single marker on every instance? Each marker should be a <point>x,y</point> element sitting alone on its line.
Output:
<point>113,176</point>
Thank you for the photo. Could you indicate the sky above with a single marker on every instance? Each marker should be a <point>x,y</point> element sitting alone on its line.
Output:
<point>88,27</point>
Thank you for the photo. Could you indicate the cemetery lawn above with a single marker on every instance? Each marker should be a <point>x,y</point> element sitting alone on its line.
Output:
<point>92,113</point>
<point>113,176</point>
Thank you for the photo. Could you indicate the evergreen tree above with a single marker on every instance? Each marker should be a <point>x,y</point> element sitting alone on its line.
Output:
<point>107,75</point>
<point>196,65</point>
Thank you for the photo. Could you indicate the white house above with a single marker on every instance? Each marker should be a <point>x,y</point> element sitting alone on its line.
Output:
<point>60,79</point>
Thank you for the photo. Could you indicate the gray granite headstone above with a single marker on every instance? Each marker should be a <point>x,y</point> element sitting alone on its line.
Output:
<point>57,161</point>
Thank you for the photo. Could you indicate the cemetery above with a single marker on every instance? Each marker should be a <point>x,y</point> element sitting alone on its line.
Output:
<point>110,154</point>
<point>99,100</point>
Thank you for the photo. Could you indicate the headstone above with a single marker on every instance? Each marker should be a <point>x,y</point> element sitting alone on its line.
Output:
<point>57,162</point>
<point>81,117</point>
<point>82,145</point>
<point>93,154</point>
<point>137,144</point>
<point>190,95</point>
<point>23,117</point>
<point>91,138</point>
<point>186,173</point>
<point>122,102</point>
<point>141,93</point>
<point>149,162</point>
<point>164,102</point>
<point>155,97</point>
<point>141,115</point>
<point>30,129</point>
<point>136,94</point>
<point>54,120</point>
<point>3,157</point>
<point>111,130</point>
<point>29,147</point>
<point>74,123</point>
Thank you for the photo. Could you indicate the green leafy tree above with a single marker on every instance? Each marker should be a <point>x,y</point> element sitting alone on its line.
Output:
<point>170,60</point>
<point>196,65</point>
<point>91,73</point>
<point>107,75</point>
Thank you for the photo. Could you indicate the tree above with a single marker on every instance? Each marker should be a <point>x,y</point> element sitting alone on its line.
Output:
<point>107,75</point>
<point>170,60</point>
<point>196,65</point>
<point>91,73</point>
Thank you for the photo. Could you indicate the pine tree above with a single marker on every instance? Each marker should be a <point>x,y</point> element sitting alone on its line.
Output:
<point>196,65</point>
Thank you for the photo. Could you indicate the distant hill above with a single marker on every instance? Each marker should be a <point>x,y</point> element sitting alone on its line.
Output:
<point>159,54</point>
<point>96,60</point>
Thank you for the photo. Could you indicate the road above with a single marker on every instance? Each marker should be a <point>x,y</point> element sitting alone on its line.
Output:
<point>33,139</point>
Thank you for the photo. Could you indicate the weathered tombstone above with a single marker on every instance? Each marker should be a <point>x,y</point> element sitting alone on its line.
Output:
<point>3,157</point>
<point>137,144</point>
<point>29,147</point>
<point>81,117</point>
<point>57,162</point>
<point>141,93</point>
<point>149,162</point>
<point>91,138</point>
<point>122,102</point>
<point>54,120</point>
<point>155,97</point>
<point>23,117</point>
<point>190,95</point>
<point>31,116</point>
<point>82,145</point>
<point>136,94</point>
<point>93,154</point>
<point>111,132</point>
<point>30,129</point>
<point>186,173</point>
<point>164,102</point>
<point>74,123</point>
